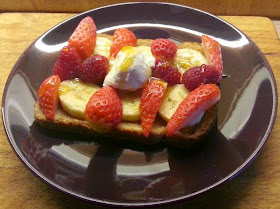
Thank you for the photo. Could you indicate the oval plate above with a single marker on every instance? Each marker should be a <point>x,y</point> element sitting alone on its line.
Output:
<point>133,176</point>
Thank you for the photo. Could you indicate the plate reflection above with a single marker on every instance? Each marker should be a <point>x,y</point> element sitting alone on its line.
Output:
<point>107,170</point>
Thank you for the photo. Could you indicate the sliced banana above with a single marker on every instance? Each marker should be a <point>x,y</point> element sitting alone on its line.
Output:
<point>102,46</point>
<point>131,102</point>
<point>146,50</point>
<point>187,58</point>
<point>172,98</point>
<point>74,95</point>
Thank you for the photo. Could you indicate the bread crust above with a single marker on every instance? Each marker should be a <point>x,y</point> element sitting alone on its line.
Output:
<point>131,132</point>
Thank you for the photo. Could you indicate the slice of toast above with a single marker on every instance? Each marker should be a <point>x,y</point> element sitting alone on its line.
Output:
<point>131,132</point>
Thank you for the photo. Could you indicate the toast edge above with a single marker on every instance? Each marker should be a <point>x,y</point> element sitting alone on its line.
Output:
<point>129,132</point>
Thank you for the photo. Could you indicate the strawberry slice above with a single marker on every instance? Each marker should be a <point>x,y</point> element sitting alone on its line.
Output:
<point>151,99</point>
<point>212,51</point>
<point>104,110</point>
<point>198,101</point>
<point>48,96</point>
<point>122,37</point>
<point>67,64</point>
<point>84,38</point>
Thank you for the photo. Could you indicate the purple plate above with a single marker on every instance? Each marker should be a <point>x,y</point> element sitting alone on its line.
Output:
<point>133,176</point>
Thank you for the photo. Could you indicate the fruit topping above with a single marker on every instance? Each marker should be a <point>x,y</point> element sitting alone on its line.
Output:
<point>131,104</point>
<point>104,110</point>
<point>131,69</point>
<point>122,37</point>
<point>94,69</point>
<point>151,99</point>
<point>197,102</point>
<point>187,58</point>
<point>74,95</point>
<point>84,38</point>
<point>48,96</point>
<point>172,98</point>
<point>102,46</point>
<point>163,48</point>
<point>200,75</point>
<point>212,51</point>
<point>67,64</point>
<point>165,71</point>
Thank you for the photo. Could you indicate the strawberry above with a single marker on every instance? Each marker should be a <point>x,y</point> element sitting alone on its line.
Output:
<point>166,72</point>
<point>67,64</point>
<point>94,69</point>
<point>122,37</point>
<point>163,48</point>
<point>200,75</point>
<point>48,96</point>
<point>84,38</point>
<point>212,51</point>
<point>151,99</point>
<point>198,101</point>
<point>104,109</point>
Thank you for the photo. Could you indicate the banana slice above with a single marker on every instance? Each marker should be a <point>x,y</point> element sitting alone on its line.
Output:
<point>131,102</point>
<point>146,50</point>
<point>173,96</point>
<point>74,95</point>
<point>187,58</point>
<point>102,46</point>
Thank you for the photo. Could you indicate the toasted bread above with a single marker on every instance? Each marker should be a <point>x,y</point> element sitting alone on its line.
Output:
<point>131,132</point>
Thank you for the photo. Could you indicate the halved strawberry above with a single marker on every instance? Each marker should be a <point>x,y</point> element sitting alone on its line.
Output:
<point>151,99</point>
<point>48,96</point>
<point>122,37</point>
<point>67,64</point>
<point>94,69</point>
<point>200,75</point>
<point>198,101</point>
<point>163,48</point>
<point>165,71</point>
<point>104,110</point>
<point>84,38</point>
<point>212,51</point>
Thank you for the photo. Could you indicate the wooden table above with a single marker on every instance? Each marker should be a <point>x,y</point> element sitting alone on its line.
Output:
<point>257,187</point>
<point>218,7</point>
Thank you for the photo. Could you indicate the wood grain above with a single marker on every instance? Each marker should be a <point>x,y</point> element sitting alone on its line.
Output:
<point>257,187</point>
<point>269,8</point>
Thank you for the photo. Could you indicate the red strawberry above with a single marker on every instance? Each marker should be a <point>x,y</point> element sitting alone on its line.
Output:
<point>122,37</point>
<point>198,101</point>
<point>200,75</point>
<point>84,38</point>
<point>163,48</point>
<point>151,99</point>
<point>94,69</point>
<point>67,64</point>
<point>166,72</point>
<point>212,51</point>
<point>48,96</point>
<point>104,109</point>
